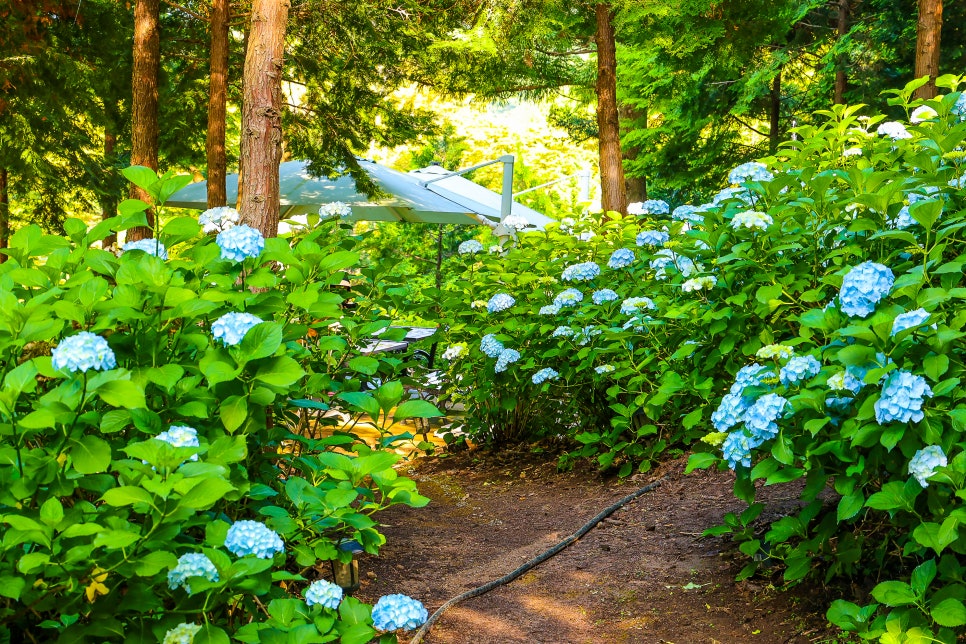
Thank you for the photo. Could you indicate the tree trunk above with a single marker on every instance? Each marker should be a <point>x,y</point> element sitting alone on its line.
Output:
<point>144,107</point>
<point>261,143</point>
<point>774,132</point>
<point>4,212</point>
<point>928,32</point>
<point>635,187</point>
<point>613,195</point>
<point>841,30</point>
<point>217,104</point>
<point>108,199</point>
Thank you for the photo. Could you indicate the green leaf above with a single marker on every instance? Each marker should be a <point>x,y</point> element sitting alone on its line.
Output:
<point>361,401</point>
<point>937,536</point>
<point>122,393</point>
<point>210,634</point>
<point>127,495</point>
<point>280,372</point>
<point>416,409</point>
<point>922,576</point>
<point>850,505</point>
<point>154,562</point>
<point>233,412</point>
<point>127,208</point>
<point>389,394</point>
<point>205,494</point>
<point>12,587</point>
<point>261,341</point>
<point>90,455</point>
<point>894,496</point>
<point>22,378</point>
<point>700,461</point>
<point>950,613</point>
<point>142,177</point>
<point>894,593</point>
<point>364,364</point>
<point>338,261</point>
<point>52,512</point>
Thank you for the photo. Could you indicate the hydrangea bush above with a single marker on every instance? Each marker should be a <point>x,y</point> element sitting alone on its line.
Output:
<point>163,473</point>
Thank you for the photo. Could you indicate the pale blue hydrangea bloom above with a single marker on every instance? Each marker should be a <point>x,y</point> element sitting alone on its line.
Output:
<point>454,351</point>
<point>688,213</point>
<point>621,258</point>
<point>902,396</point>
<point>470,247</point>
<point>959,108</point>
<point>323,593</point>
<point>335,209</point>
<point>706,283</point>
<point>761,416</point>
<point>751,171</point>
<point>149,246</point>
<point>838,405</point>
<point>923,464</point>
<point>232,327</point>
<point>562,332</point>
<point>909,320</point>
<point>253,538</point>
<point>586,236</point>
<point>648,207</point>
<point>193,564</point>
<point>516,222</point>
<point>894,130</point>
<point>215,220</point>
<point>181,634</point>
<point>730,411</point>
<point>863,287</point>
<point>551,309</point>
<point>799,368</point>
<point>505,358</point>
<point>568,297</point>
<point>903,219</point>
<point>583,272</point>
<point>751,219</point>
<point>604,295</point>
<point>181,436</point>
<point>652,238</point>
<point>753,375</point>
<point>852,152</point>
<point>500,302</point>
<point>544,375</point>
<point>634,305</point>
<point>583,336</point>
<point>845,381</point>
<point>393,612</point>
<point>240,242</point>
<point>665,258</point>
<point>736,449</point>
<point>490,346</point>
<point>604,368</point>
<point>83,351</point>
<point>740,194</point>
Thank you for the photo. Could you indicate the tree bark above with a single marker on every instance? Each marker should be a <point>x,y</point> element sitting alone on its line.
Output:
<point>842,28</point>
<point>4,212</point>
<point>217,104</point>
<point>774,132</point>
<point>144,107</point>
<point>928,30</point>
<point>261,142</point>
<point>612,190</point>
<point>635,187</point>
<point>108,198</point>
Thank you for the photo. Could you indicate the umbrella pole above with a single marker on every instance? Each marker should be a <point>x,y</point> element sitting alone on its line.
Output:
<point>439,286</point>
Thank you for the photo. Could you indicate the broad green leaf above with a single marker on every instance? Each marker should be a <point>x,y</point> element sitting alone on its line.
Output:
<point>122,393</point>
<point>894,593</point>
<point>280,372</point>
<point>950,613</point>
<point>233,412</point>
<point>205,494</point>
<point>127,495</point>
<point>261,341</point>
<point>90,455</point>
<point>416,409</point>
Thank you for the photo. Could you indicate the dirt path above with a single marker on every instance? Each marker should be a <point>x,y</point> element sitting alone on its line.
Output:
<point>643,575</point>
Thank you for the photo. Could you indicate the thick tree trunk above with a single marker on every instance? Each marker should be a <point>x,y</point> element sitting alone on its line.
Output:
<point>109,199</point>
<point>635,187</point>
<point>774,132</point>
<point>261,144</point>
<point>613,195</point>
<point>4,212</point>
<point>928,32</point>
<point>144,107</point>
<point>842,28</point>
<point>217,104</point>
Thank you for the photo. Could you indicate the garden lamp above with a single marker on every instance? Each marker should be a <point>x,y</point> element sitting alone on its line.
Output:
<point>346,575</point>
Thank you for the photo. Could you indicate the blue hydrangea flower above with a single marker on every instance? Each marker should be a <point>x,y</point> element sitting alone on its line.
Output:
<point>214,220</point>
<point>730,411</point>
<point>253,538</point>
<point>959,108</point>
<point>324,593</point>
<point>863,287</point>
<point>544,375</point>
<point>751,219</point>
<point>845,381</point>
<point>753,375</point>
<point>500,302</point>
<point>505,358</point>
<point>649,207</point>
<point>726,194</point>
<point>193,564</point>
<point>902,396</point>
<point>621,258</point>
<point>583,336</point>
<point>568,297</point>
<point>550,309</point>
<point>181,436</point>
<point>838,406</point>
<point>232,327</point>
<point>688,213</point>
<point>335,209</point>
<point>751,171</point>
<point>149,246</point>
<point>562,332</point>
<point>652,238</point>
<point>665,258</point>
<point>470,247</point>
<point>924,463</point>
<point>393,612</point>
<point>799,368</point>
<point>240,242</point>
<point>490,346</point>
<point>604,295</point>
<point>705,282</point>
<point>761,416</point>
<point>736,449</point>
<point>454,351</point>
<point>583,272</point>
<point>604,368</point>
<point>904,219</point>
<point>83,351</point>
<point>181,634</point>
<point>909,320</point>
<point>893,130</point>
<point>634,305</point>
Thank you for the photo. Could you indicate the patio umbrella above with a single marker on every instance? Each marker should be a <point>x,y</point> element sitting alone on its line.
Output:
<point>409,197</point>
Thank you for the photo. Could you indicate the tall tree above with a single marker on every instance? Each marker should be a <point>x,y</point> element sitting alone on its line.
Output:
<point>261,143</point>
<point>217,103</point>
<point>841,30</point>
<point>612,189</point>
<point>144,104</point>
<point>928,36</point>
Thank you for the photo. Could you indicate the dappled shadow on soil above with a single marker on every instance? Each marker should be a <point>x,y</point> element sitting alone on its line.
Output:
<point>643,575</point>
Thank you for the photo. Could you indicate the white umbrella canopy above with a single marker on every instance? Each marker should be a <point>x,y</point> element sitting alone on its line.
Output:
<point>408,197</point>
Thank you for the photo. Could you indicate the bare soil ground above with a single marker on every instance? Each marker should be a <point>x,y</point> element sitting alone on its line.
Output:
<point>643,575</point>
